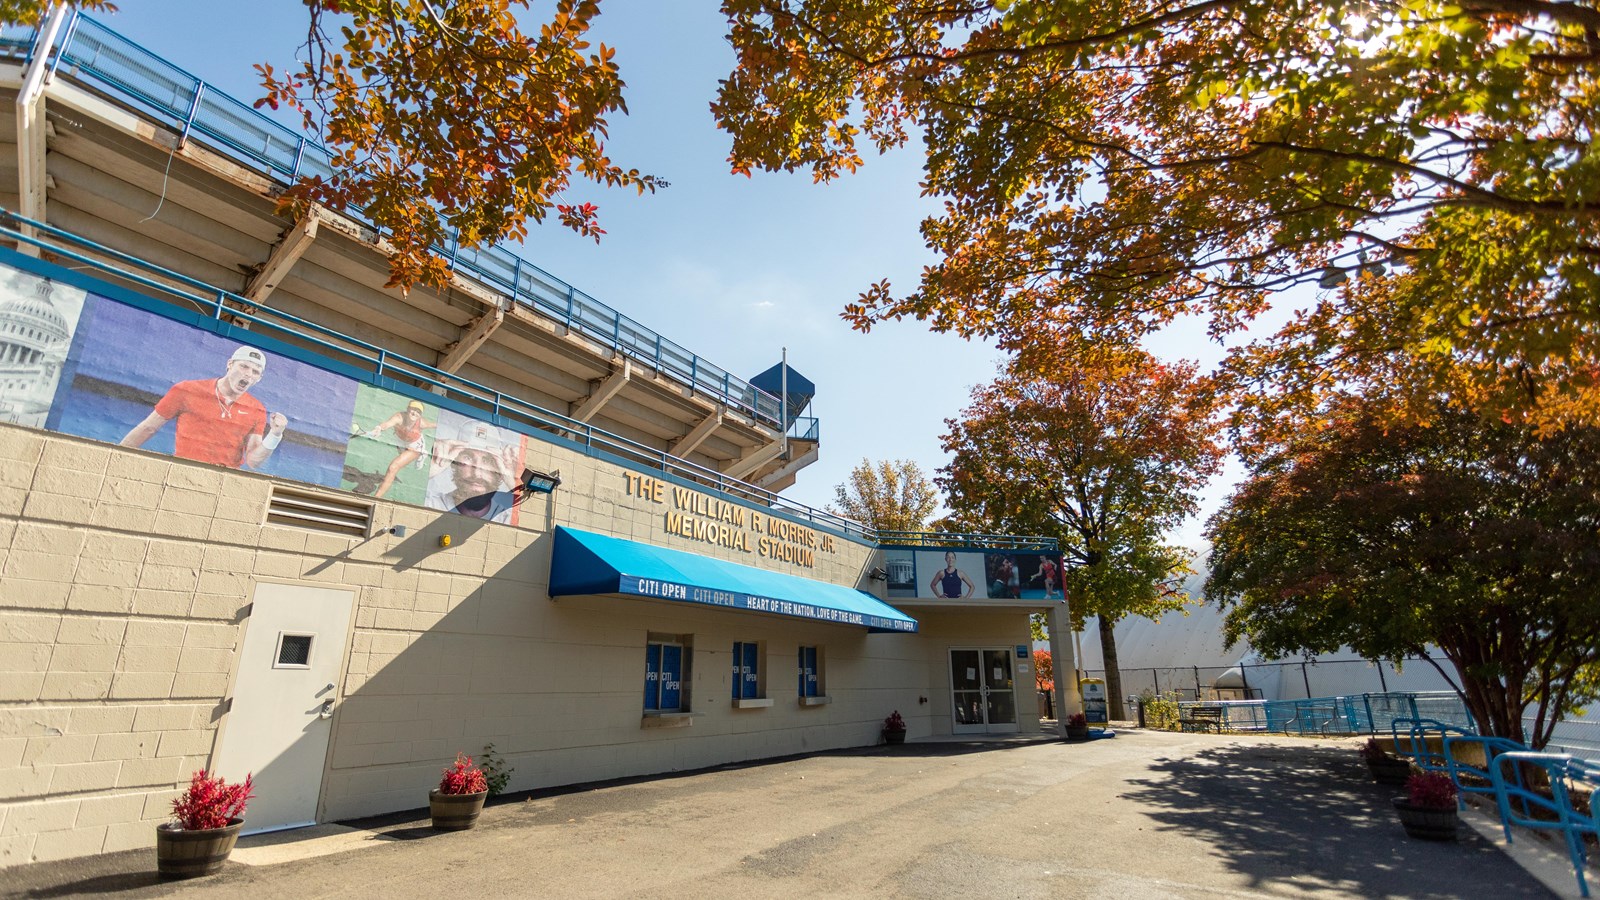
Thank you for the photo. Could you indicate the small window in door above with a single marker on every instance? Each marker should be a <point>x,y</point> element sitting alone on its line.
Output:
<point>294,651</point>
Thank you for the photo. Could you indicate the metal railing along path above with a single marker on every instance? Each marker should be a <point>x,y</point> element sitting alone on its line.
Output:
<point>1349,714</point>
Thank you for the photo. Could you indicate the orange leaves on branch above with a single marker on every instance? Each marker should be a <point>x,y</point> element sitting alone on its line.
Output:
<point>449,124</point>
<point>32,12</point>
<point>1112,169</point>
<point>1104,448</point>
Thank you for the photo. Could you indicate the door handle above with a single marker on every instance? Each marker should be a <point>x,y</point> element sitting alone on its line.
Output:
<point>327,710</point>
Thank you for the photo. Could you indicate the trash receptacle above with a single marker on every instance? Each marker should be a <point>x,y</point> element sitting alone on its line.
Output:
<point>1094,701</point>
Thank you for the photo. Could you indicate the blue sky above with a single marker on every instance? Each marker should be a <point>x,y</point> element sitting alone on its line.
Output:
<point>734,269</point>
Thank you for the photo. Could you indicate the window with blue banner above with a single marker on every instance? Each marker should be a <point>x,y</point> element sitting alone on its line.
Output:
<point>746,670</point>
<point>663,678</point>
<point>809,680</point>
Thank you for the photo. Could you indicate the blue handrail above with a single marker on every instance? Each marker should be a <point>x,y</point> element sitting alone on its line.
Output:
<point>1555,811</point>
<point>344,350</point>
<point>93,53</point>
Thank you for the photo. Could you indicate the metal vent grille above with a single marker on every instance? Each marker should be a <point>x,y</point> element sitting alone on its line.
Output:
<point>294,650</point>
<point>319,512</point>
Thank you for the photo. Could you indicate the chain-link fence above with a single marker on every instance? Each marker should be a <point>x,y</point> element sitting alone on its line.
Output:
<point>1280,680</point>
<point>1350,714</point>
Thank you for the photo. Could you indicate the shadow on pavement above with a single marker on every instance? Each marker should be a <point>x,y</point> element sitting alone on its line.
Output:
<point>1311,814</point>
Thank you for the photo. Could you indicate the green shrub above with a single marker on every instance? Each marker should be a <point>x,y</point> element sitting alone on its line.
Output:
<point>1161,712</point>
<point>495,770</point>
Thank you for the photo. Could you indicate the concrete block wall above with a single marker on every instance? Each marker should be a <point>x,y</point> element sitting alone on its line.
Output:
<point>125,577</point>
<point>118,623</point>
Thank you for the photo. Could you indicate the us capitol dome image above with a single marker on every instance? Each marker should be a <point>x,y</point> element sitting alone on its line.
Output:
<point>34,339</point>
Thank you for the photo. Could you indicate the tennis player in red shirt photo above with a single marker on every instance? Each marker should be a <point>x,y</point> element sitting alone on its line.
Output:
<point>217,421</point>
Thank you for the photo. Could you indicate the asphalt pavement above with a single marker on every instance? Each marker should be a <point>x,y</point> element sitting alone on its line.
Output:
<point>1144,814</point>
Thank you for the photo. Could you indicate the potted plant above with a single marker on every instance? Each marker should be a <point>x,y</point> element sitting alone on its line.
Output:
<point>1385,769</point>
<point>1077,727</point>
<point>206,819</point>
<point>894,729</point>
<point>456,802</point>
<point>1428,810</point>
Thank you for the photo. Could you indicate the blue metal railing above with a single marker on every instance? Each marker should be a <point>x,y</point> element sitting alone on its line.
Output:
<point>330,346</point>
<point>1348,714</point>
<point>94,54</point>
<point>965,539</point>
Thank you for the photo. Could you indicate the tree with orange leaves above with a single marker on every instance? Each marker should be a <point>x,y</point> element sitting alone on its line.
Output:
<point>1106,451</point>
<point>1471,535</point>
<point>446,121</point>
<point>1108,169</point>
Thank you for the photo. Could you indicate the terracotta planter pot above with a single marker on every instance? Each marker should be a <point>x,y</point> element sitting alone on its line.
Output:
<point>1427,823</point>
<point>1077,732</point>
<point>894,737</point>
<point>189,854</point>
<point>455,812</point>
<point>1389,770</point>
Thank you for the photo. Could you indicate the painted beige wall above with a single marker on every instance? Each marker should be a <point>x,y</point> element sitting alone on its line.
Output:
<point>124,581</point>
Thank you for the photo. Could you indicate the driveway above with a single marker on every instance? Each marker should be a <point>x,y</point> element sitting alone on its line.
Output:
<point>1146,814</point>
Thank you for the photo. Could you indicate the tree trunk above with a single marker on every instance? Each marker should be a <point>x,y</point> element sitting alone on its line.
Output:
<point>1108,656</point>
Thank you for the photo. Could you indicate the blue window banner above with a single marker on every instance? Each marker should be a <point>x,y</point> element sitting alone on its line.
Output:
<point>671,678</point>
<point>652,677</point>
<point>808,671</point>
<point>98,362</point>
<point>746,676</point>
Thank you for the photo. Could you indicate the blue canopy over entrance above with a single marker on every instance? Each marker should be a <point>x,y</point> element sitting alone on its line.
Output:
<point>587,563</point>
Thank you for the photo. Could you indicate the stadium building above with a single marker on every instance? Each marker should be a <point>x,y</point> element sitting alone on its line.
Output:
<point>261,514</point>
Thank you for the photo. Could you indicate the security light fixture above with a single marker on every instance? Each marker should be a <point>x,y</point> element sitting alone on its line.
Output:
<point>540,482</point>
<point>878,573</point>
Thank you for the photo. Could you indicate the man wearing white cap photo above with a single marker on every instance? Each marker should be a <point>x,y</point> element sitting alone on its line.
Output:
<point>473,474</point>
<point>218,422</point>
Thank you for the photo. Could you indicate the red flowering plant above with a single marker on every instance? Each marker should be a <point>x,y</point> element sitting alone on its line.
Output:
<point>1077,720</point>
<point>462,777</point>
<point>1431,790</point>
<point>894,722</point>
<point>210,802</point>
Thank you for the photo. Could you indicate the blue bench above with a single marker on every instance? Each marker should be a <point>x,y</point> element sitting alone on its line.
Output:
<point>1556,812</point>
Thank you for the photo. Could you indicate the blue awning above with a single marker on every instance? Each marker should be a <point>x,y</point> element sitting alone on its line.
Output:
<point>587,563</point>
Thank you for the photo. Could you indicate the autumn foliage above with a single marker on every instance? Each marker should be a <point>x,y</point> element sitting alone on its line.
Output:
<point>1105,450</point>
<point>888,495</point>
<point>1044,671</point>
<point>448,123</point>
<point>1470,535</point>
<point>462,777</point>
<point>1109,169</point>
<point>210,802</point>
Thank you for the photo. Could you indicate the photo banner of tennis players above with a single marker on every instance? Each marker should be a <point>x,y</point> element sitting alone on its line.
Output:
<point>94,367</point>
<point>973,574</point>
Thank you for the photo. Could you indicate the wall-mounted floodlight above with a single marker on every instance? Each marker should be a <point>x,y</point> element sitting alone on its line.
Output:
<point>540,482</point>
<point>878,573</point>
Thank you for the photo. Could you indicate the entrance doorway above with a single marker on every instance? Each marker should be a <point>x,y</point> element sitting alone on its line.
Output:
<point>283,700</point>
<point>982,691</point>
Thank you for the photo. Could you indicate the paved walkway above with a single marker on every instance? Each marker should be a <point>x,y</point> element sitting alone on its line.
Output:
<point>1146,814</point>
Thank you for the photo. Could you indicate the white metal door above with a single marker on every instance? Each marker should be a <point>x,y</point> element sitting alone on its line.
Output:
<point>982,691</point>
<point>283,701</point>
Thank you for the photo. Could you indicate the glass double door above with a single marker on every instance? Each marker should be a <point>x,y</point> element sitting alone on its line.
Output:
<point>983,691</point>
